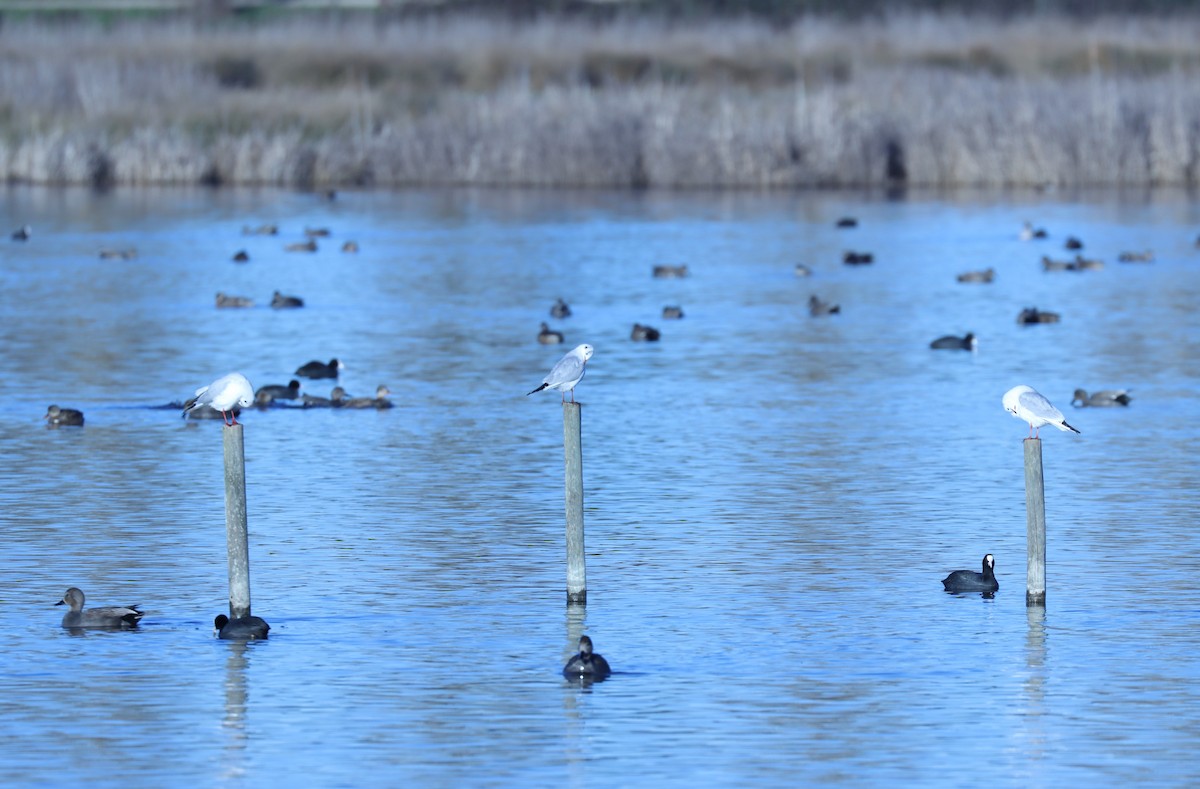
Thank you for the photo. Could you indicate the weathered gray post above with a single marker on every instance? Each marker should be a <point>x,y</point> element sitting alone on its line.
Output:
<point>1035,525</point>
<point>573,455</point>
<point>235,522</point>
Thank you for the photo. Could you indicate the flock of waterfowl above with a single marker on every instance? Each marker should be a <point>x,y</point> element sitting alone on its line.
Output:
<point>586,665</point>
<point>1021,401</point>
<point>269,396</point>
<point>639,333</point>
<point>226,395</point>
<point>1027,316</point>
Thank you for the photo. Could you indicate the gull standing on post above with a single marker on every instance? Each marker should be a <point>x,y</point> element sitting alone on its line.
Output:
<point>222,395</point>
<point>1025,403</point>
<point>567,372</point>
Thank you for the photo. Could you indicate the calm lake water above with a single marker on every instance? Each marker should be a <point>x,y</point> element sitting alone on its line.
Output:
<point>772,499</point>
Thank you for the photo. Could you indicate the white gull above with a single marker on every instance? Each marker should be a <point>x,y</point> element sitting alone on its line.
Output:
<point>567,372</point>
<point>222,395</point>
<point>1026,404</point>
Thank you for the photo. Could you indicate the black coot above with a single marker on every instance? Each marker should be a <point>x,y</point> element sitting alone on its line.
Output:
<point>971,581</point>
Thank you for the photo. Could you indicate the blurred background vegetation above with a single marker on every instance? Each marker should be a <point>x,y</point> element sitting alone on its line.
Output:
<point>661,93</point>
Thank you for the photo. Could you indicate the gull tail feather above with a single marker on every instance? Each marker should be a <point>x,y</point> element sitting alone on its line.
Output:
<point>1063,426</point>
<point>535,391</point>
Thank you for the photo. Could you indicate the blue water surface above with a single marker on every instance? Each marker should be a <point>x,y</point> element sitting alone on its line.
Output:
<point>771,498</point>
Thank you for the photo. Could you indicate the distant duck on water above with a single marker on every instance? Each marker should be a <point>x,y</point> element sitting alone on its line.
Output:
<point>951,342</point>
<point>817,307</point>
<point>548,336</point>
<point>380,400</point>
<point>337,398</point>
<point>670,272</point>
<point>560,309</point>
<point>985,276</point>
<point>118,254</point>
<point>1028,232</point>
<point>227,302</point>
<point>317,369</point>
<point>1105,398</point>
<point>302,246</point>
<point>279,392</point>
<point>642,333</point>
<point>1031,315</point>
<point>281,302</point>
<point>63,416</point>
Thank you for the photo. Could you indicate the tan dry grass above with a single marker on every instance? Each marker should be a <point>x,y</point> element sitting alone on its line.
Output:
<point>332,100</point>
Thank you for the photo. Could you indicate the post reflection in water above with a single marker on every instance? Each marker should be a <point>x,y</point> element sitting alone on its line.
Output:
<point>1034,685</point>
<point>234,722</point>
<point>575,728</point>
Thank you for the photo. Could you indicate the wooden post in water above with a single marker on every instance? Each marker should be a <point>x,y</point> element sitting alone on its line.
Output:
<point>235,522</point>
<point>1035,525</point>
<point>573,456</point>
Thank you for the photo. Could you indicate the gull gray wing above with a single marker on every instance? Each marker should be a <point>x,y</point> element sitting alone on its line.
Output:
<point>1039,406</point>
<point>566,370</point>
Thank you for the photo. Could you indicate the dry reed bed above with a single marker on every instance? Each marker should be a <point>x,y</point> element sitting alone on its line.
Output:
<point>930,100</point>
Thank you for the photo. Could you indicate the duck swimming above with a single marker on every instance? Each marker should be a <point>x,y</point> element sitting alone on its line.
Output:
<point>63,416</point>
<point>277,392</point>
<point>1031,315</point>
<point>103,616</point>
<point>336,399</point>
<point>952,343</point>
<point>670,272</point>
<point>378,401</point>
<point>985,276</point>
<point>548,336</point>
<point>560,309</point>
<point>316,369</point>
<point>282,302</point>
<point>642,333</point>
<point>1102,399</point>
<point>226,302</point>
<point>587,664</point>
